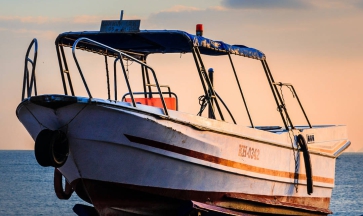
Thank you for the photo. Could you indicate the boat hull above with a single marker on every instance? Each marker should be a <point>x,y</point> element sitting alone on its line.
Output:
<point>136,160</point>
<point>153,183</point>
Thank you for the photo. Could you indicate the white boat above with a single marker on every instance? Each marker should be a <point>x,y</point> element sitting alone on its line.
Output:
<point>140,155</point>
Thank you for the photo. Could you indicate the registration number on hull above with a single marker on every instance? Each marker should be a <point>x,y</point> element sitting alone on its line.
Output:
<point>249,152</point>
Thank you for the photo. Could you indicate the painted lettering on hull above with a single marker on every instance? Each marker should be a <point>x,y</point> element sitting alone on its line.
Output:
<point>249,152</point>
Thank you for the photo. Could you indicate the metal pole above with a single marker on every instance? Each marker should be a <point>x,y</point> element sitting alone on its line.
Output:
<point>32,79</point>
<point>240,89</point>
<point>120,56</point>
<point>199,71</point>
<point>208,83</point>
<point>61,68</point>
<point>80,72</point>
<point>274,94</point>
<point>115,77</point>
<point>278,94</point>
<point>67,70</point>
<point>210,105</point>
<point>108,78</point>
<point>143,77</point>
<point>25,80</point>
<point>225,106</point>
<point>166,112</point>
<point>148,81</point>
<point>201,79</point>
<point>127,82</point>
<point>297,98</point>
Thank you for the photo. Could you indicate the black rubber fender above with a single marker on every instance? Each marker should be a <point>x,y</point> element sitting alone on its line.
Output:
<point>51,148</point>
<point>308,169</point>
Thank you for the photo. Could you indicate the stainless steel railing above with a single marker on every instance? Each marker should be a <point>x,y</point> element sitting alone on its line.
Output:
<point>120,56</point>
<point>29,79</point>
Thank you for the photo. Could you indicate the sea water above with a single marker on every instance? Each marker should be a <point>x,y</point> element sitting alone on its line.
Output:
<point>27,188</point>
<point>347,197</point>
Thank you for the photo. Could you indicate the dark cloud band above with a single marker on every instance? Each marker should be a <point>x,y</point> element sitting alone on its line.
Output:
<point>266,4</point>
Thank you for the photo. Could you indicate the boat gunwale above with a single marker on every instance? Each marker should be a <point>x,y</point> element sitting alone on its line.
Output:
<point>123,108</point>
<point>116,104</point>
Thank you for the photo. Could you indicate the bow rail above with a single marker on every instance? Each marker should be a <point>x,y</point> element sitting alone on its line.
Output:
<point>29,79</point>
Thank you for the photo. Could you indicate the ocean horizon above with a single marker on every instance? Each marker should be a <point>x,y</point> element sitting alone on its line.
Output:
<point>26,188</point>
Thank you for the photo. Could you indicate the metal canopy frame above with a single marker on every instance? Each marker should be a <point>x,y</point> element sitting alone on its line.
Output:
<point>281,106</point>
<point>120,56</point>
<point>211,96</point>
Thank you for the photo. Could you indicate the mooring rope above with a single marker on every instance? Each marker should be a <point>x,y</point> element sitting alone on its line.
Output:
<point>203,102</point>
<point>66,125</point>
<point>127,67</point>
<point>41,125</point>
<point>297,152</point>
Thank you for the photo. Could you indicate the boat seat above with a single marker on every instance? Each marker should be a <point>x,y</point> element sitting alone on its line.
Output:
<point>171,102</point>
<point>156,102</point>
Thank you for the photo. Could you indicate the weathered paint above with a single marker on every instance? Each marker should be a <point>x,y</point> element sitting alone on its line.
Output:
<point>222,161</point>
<point>111,142</point>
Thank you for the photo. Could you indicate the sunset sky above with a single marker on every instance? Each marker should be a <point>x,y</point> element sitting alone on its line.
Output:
<point>315,45</point>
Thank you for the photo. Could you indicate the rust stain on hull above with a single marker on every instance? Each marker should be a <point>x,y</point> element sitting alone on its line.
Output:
<point>108,197</point>
<point>274,205</point>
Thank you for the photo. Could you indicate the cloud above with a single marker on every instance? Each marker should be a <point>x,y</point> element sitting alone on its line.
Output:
<point>81,19</point>
<point>291,4</point>
<point>266,4</point>
<point>86,19</point>
<point>218,8</point>
<point>50,35</point>
<point>30,19</point>
<point>181,8</point>
<point>337,4</point>
<point>171,18</point>
<point>41,24</point>
<point>358,4</point>
<point>89,19</point>
<point>45,19</point>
